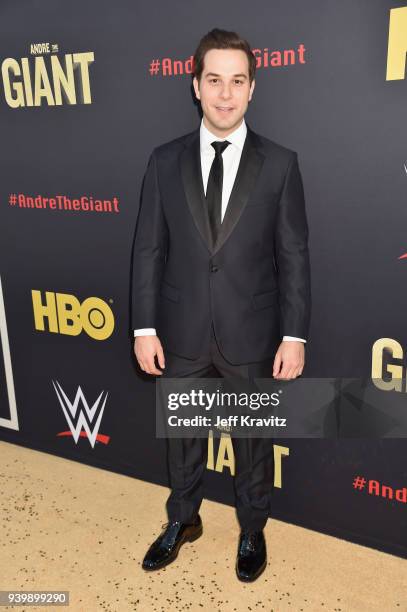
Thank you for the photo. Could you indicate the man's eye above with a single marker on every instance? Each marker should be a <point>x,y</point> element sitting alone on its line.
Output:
<point>237,81</point>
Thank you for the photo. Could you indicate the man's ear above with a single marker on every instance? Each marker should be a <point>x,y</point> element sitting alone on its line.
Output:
<point>252,86</point>
<point>196,87</point>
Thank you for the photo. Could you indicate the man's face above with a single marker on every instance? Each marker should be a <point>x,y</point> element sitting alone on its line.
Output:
<point>224,90</point>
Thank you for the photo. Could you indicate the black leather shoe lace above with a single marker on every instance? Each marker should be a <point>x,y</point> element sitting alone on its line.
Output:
<point>168,538</point>
<point>165,525</point>
<point>248,542</point>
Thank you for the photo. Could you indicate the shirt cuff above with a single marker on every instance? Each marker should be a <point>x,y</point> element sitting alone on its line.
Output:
<point>148,331</point>
<point>293,338</point>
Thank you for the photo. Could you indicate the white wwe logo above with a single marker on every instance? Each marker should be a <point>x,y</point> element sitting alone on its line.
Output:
<point>85,416</point>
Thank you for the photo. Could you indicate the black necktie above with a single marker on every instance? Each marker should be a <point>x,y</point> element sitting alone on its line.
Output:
<point>214,188</point>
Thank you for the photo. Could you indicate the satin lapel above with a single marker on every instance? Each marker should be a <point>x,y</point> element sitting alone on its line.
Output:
<point>251,162</point>
<point>190,161</point>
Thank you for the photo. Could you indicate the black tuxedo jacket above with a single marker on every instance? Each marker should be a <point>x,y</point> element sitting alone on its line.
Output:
<point>253,284</point>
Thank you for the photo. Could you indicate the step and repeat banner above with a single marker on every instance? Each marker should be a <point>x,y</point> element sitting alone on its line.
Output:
<point>88,89</point>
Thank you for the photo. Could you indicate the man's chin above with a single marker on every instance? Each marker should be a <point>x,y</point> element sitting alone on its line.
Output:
<point>226,123</point>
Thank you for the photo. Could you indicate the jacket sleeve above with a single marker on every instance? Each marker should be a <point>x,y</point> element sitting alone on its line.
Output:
<point>149,254</point>
<point>292,257</point>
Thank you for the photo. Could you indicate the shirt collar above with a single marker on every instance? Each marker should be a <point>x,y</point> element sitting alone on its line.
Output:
<point>237,137</point>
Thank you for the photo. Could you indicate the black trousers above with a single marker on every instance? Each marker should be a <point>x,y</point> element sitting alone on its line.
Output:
<point>187,457</point>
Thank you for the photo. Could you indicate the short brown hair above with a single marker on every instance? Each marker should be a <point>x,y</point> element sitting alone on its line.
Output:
<point>222,39</point>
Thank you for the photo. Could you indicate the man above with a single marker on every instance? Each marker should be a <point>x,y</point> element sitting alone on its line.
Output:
<point>221,282</point>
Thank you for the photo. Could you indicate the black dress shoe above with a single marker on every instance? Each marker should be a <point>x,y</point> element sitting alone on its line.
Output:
<point>251,555</point>
<point>166,546</point>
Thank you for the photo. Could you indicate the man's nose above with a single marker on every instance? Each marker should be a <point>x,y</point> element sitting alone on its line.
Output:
<point>226,92</point>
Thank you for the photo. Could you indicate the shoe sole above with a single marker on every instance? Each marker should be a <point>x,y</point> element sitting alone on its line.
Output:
<point>190,538</point>
<point>255,576</point>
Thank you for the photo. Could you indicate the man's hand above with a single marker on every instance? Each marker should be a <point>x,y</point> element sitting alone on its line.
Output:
<point>145,349</point>
<point>291,355</point>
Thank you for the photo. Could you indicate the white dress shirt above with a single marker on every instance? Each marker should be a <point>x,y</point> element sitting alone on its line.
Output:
<point>231,159</point>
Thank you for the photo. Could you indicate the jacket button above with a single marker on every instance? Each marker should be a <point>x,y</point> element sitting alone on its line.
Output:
<point>214,268</point>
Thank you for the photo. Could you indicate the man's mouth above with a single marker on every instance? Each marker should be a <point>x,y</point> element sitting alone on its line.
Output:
<point>224,109</point>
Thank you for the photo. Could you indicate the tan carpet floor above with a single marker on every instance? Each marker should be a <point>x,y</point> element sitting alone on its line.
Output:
<point>69,526</point>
